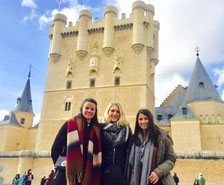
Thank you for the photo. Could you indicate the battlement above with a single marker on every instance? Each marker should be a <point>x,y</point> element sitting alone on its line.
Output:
<point>85,13</point>
<point>141,23</point>
<point>138,5</point>
<point>61,18</point>
<point>110,10</point>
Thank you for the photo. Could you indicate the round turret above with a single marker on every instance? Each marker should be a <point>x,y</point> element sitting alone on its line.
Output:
<point>156,24</point>
<point>60,17</point>
<point>59,23</point>
<point>85,16</point>
<point>156,27</point>
<point>138,41</point>
<point>138,5</point>
<point>110,14</point>
<point>85,13</point>
<point>150,9</point>
<point>149,28</point>
<point>110,9</point>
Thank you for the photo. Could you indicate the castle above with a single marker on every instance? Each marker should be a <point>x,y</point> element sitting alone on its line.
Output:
<point>114,59</point>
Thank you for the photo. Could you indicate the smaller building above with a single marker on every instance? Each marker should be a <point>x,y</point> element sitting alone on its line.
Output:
<point>16,130</point>
<point>194,115</point>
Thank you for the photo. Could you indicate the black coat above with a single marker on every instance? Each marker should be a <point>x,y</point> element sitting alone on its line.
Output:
<point>59,148</point>
<point>120,157</point>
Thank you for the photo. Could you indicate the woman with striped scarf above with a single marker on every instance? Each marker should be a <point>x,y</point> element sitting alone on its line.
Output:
<point>80,141</point>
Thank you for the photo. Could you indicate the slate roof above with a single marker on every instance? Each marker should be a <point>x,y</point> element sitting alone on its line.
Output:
<point>36,126</point>
<point>189,114</point>
<point>165,112</point>
<point>200,86</point>
<point>10,119</point>
<point>24,101</point>
<point>171,109</point>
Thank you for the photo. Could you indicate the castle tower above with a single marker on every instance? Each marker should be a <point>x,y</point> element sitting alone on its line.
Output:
<point>23,109</point>
<point>202,107</point>
<point>59,22</point>
<point>15,126</point>
<point>111,60</point>
<point>110,15</point>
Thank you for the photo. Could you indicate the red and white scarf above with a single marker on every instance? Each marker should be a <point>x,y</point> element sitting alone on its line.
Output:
<point>75,162</point>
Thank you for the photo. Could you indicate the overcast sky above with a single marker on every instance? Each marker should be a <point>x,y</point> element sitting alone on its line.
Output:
<point>184,24</point>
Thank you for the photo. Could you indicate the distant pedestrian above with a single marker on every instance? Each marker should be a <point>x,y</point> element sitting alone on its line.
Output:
<point>43,180</point>
<point>29,177</point>
<point>22,179</point>
<point>201,179</point>
<point>175,178</point>
<point>50,177</point>
<point>196,182</point>
<point>15,180</point>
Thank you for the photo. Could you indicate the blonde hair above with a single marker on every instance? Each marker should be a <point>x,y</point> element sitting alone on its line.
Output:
<point>122,120</point>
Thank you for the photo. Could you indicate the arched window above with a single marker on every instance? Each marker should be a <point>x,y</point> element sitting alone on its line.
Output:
<point>68,103</point>
<point>67,106</point>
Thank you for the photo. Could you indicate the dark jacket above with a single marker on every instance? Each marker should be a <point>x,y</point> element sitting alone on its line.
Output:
<point>120,157</point>
<point>165,159</point>
<point>59,148</point>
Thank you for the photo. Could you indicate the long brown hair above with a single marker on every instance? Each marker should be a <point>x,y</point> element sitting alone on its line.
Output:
<point>152,130</point>
<point>91,100</point>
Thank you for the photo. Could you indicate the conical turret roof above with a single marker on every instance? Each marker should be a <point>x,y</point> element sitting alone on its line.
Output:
<point>200,86</point>
<point>24,101</point>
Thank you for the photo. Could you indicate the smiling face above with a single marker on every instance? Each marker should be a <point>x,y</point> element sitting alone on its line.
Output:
<point>143,122</point>
<point>114,113</point>
<point>88,111</point>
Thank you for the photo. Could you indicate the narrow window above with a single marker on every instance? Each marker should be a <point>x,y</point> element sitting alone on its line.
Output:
<point>170,116</point>
<point>184,111</point>
<point>69,84</point>
<point>30,102</point>
<point>117,80</point>
<point>159,117</point>
<point>201,84</point>
<point>18,100</point>
<point>67,106</point>
<point>22,121</point>
<point>92,82</point>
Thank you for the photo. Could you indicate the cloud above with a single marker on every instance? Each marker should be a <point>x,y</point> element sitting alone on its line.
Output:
<point>32,15</point>
<point>36,119</point>
<point>167,85</point>
<point>3,113</point>
<point>71,12</point>
<point>223,95</point>
<point>220,74</point>
<point>29,3</point>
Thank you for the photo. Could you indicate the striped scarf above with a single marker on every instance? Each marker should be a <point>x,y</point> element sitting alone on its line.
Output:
<point>75,162</point>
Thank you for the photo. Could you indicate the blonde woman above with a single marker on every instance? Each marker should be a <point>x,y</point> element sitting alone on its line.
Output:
<point>115,138</point>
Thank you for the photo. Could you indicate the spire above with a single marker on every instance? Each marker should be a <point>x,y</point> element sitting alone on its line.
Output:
<point>29,72</point>
<point>24,101</point>
<point>200,86</point>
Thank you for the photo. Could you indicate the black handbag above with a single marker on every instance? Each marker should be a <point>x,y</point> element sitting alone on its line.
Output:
<point>60,163</point>
<point>113,174</point>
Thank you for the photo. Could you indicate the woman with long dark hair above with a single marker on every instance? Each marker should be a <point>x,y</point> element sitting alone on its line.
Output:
<point>79,140</point>
<point>152,156</point>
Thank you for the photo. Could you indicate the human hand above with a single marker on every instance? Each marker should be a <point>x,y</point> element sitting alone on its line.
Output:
<point>79,176</point>
<point>153,178</point>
